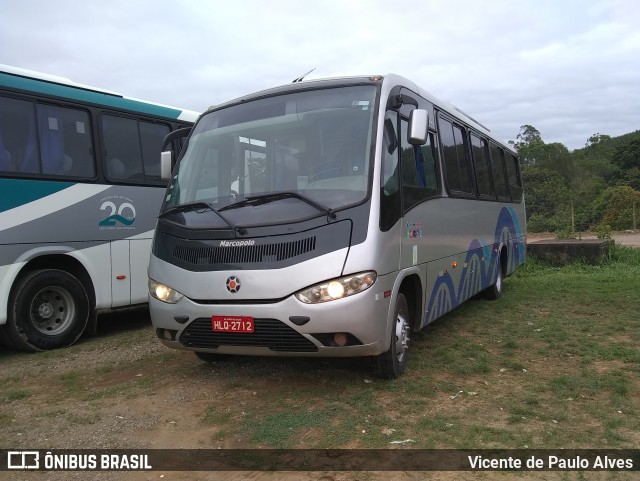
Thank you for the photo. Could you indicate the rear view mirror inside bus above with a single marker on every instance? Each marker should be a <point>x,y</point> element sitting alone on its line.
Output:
<point>418,123</point>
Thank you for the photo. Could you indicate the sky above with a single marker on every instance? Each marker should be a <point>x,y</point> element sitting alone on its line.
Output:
<point>570,68</point>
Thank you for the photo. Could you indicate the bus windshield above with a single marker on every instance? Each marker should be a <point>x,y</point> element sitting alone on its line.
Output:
<point>313,144</point>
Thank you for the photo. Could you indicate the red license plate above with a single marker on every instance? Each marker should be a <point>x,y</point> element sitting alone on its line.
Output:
<point>232,324</point>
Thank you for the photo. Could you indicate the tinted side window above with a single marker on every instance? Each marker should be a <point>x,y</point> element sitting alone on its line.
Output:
<point>480,151</point>
<point>122,148</point>
<point>45,139</point>
<point>455,157</point>
<point>151,137</point>
<point>499,177</point>
<point>419,178</point>
<point>19,149</point>
<point>65,141</point>
<point>513,177</point>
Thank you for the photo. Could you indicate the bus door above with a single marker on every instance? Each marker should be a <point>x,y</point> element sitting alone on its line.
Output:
<point>419,184</point>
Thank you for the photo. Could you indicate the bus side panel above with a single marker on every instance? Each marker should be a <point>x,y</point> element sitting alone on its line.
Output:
<point>8,274</point>
<point>458,277</point>
<point>120,274</point>
<point>94,257</point>
<point>140,251</point>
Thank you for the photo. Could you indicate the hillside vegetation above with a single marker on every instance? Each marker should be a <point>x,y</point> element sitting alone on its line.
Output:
<point>593,188</point>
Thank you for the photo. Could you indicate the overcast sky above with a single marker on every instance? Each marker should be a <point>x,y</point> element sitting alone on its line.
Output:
<point>570,68</point>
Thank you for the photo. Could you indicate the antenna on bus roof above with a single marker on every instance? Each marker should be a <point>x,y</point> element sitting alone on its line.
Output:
<point>299,79</point>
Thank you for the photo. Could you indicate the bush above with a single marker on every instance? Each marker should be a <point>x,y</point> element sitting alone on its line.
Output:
<point>603,231</point>
<point>565,233</point>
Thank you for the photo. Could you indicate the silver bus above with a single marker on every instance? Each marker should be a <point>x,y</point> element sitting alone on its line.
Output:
<point>80,190</point>
<point>331,218</point>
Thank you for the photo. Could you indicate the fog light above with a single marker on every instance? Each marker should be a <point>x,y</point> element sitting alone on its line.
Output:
<point>340,338</point>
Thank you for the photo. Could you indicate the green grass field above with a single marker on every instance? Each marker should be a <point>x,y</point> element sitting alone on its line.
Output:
<point>554,363</point>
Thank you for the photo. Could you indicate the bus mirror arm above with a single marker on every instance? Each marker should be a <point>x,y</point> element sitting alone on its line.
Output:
<point>176,134</point>
<point>418,126</point>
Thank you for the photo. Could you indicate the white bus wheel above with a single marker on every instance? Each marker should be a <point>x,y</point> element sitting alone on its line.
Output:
<point>494,291</point>
<point>391,364</point>
<point>49,309</point>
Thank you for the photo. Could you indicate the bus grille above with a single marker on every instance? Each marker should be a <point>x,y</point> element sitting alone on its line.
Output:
<point>270,333</point>
<point>244,254</point>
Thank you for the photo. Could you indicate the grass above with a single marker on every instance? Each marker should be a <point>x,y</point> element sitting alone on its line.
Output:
<point>553,364</point>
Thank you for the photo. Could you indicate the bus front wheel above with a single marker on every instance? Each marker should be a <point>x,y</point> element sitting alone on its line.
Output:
<point>48,309</point>
<point>391,364</point>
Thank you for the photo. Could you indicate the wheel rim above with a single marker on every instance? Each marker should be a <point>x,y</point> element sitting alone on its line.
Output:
<point>52,310</point>
<point>402,336</point>
<point>499,279</point>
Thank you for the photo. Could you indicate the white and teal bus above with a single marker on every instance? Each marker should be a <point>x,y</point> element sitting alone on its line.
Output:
<point>80,190</point>
<point>331,218</point>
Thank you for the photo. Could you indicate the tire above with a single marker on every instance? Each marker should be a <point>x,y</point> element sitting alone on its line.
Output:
<point>48,309</point>
<point>494,291</point>
<point>210,356</point>
<point>391,364</point>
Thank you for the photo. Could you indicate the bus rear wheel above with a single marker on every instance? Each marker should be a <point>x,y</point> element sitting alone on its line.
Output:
<point>49,309</point>
<point>391,364</point>
<point>494,291</point>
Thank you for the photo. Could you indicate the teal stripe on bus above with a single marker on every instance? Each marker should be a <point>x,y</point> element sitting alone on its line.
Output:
<point>17,192</point>
<point>75,93</point>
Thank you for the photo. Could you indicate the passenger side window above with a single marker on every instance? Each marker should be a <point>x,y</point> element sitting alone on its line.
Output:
<point>122,148</point>
<point>132,148</point>
<point>45,139</point>
<point>151,137</point>
<point>419,181</point>
<point>480,151</point>
<point>454,153</point>
<point>513,177</point>
<point>499,176</point>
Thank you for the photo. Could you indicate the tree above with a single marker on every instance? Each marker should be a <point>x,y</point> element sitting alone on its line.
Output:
<point>615,207</point>
<point>596,139</point>
<point>627,156</point>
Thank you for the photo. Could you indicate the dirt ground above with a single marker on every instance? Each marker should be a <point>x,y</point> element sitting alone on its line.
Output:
<point>626,238</point>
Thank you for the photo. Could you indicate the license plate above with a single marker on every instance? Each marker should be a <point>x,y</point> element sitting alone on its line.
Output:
<point>242,324</point>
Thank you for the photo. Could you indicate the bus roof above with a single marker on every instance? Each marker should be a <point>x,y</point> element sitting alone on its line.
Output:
<point>29,80</point>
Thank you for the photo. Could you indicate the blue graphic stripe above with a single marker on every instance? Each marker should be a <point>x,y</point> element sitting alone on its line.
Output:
<point>478,274</point>
<point>75,93</point>
<point>17,192</point>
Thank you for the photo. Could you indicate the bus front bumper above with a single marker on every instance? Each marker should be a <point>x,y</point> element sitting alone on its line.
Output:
<point>350,327</point>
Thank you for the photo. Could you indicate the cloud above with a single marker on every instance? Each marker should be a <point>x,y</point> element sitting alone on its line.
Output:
<point>568,68</point>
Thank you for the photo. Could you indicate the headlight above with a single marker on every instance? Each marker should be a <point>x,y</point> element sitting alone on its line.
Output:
<point>337,288</point>
<point>164,293</point>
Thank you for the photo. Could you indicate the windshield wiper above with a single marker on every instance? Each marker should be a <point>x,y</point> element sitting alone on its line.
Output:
<point>206,205</point>
<point>266,198</point>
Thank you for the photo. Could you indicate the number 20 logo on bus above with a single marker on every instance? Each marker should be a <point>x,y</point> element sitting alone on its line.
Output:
<point>118,214</point>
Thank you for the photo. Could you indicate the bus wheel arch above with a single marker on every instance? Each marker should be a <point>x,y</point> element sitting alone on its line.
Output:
<point>50,304</point>
<point>392,363</point>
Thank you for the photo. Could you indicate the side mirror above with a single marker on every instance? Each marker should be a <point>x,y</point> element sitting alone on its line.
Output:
<point>418,126</point>
<point>166,164</point>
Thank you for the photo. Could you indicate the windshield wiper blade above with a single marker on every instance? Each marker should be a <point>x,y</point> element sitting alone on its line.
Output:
<point>206,205</point>
<point>266,198</point>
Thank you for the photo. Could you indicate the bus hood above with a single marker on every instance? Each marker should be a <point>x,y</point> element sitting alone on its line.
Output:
<point>252,268</point>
